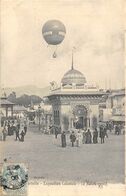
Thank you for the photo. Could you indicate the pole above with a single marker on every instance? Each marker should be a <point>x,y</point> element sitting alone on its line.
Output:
<point>46,122</point>
<point>39,120</point>
<point>39,112</point>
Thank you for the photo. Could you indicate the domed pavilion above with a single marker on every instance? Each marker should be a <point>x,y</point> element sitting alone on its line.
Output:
<point>75,104</point>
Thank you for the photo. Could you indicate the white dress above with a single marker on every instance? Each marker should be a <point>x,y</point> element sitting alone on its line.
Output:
<point>79,139</point>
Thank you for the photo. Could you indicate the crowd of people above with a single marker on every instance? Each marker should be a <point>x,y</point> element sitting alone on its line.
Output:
<point>16,127</point>
<point>79,137</point>
<point>87,136</point>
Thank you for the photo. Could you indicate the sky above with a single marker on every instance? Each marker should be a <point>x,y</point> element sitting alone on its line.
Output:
<point>94,27</point>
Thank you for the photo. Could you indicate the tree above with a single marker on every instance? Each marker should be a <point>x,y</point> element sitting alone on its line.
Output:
<point>26,100</point>
<point>35,99</point>
<point>12,97</point>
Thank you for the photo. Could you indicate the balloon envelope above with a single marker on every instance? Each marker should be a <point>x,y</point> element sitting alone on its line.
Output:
<point>53,32</point>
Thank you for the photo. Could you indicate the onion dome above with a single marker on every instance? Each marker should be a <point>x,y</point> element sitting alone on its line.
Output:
<point>73,76</point>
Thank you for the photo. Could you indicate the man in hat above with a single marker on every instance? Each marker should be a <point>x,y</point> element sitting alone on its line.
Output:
<point>102,134</point>
<point>72,138</point>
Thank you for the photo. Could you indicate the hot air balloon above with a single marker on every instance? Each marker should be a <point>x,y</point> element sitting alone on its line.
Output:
<point>53,32</point>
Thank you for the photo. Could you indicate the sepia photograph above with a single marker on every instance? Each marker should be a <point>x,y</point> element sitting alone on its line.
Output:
<point>62,97</point>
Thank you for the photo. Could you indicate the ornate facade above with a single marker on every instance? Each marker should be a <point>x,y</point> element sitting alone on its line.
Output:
<point>75,104</point>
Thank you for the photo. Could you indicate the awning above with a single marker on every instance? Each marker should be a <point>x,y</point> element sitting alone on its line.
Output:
<point>118,118</point>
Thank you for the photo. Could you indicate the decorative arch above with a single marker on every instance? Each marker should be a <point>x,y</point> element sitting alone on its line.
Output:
<point>82,120</point>
<point>85,105</point>
<point>80,110</point>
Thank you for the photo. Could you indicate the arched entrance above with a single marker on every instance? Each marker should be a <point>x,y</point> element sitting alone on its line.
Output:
<point>80,117</point>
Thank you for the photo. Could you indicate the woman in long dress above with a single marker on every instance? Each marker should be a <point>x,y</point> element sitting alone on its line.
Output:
<point>95,136</point>
<point>4,132</point>
<point>84,136</point>
<point>88,137</point>
<point>63,139</point>
<point>22,136</point>
<point>78,139</point>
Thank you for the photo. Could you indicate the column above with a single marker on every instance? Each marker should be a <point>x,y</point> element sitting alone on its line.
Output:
<point>46,121</point>
<point>61,123</point>
<point>88,122</point>
<point>12,111</point>
<point>6,111</point>
<point>69,123</point>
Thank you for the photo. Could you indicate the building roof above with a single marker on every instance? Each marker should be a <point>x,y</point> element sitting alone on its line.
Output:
<point>60,92</point>
<point>73,76</point>
<point>119,92</point>
<point>5,102</point>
